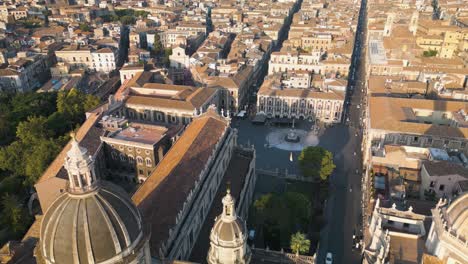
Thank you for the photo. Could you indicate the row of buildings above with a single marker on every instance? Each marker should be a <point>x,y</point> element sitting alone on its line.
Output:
<point>415,133</point>
<point>307,77</point>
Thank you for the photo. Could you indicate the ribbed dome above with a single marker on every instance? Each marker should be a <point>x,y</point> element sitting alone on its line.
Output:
<point>225,233</point>
<point>228,238</point>
<point>98,226</point>
<point>457,214</point>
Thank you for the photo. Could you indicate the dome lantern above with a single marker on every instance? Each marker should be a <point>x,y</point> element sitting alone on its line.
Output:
<point>80,169</point>
<point>228,238</point>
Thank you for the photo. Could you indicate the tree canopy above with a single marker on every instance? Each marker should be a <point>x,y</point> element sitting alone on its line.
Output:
<point>165,60</point>
<point>299,243</point>
<point>281,215</point>
<point>33,129</point>
<point>13,214</point>
<point>316,162</point>
<point>430,53</point>
<point>84,27</point>
<point>157,46</point>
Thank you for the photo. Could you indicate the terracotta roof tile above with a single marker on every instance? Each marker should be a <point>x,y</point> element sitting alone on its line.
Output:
<point>392,114</point>
<point>163,194</point>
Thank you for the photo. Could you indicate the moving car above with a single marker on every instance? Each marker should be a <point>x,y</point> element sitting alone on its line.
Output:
<point>329,258</point>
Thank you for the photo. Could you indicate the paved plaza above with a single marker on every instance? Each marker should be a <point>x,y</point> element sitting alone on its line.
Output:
<point>273,152</point>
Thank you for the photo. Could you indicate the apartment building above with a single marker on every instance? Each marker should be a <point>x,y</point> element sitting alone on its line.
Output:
<point>282,61</point>
<point>25,74</point>
<point>86,57</point>
<point>104,60</point>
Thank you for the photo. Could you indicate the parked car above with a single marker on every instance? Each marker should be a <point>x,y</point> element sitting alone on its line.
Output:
<point>329,258</point>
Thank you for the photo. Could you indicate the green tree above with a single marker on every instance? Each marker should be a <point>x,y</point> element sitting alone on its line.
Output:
<point>141,13</point>
<point>33,130</point>
<point>430,53</point>
<point>73,104</point>
<point>165,60</point>
<point>157,46</point>
<point>316,162</point>
<point>38,159</point>
<point>127,20</point>
<point>11,158</point>
<point>13,214</point>
<point>299,243</point>
<point>279,215</point>
<point>84,27</point>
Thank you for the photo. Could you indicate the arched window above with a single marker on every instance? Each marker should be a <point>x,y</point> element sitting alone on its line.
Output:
<point>139,160</point>
<point>149,163</point>
<point>122,157</point>
<point>131,159</point>
<point>114,155</point>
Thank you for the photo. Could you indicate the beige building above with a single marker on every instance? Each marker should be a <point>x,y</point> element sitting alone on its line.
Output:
<point>283,61</point>
<point>417,122</point>
<point>277,101</point>
<point>84,57</point>
<point>76,56</point>
<point>165,103</point>
<point>104,60</point>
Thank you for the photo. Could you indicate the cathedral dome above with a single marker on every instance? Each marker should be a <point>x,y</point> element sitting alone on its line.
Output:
<point>457,214</point>
<point>91,228</point>
<point>228,230</point>
<point>93,221</point>
<point>228,238</point>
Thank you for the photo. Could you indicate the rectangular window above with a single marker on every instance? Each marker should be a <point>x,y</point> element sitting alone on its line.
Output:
<point>441,187</point>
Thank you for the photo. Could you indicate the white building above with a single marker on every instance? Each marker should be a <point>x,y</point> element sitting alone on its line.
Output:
<point>127,72</point>
<point>294,61</point>
<point>448,235</point>
<point>277,101</point>
<point>179,59</point>
<point>103,60</point>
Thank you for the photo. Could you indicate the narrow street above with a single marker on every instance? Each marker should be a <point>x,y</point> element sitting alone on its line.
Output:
<point>343,207</point>
<point>343,212</point>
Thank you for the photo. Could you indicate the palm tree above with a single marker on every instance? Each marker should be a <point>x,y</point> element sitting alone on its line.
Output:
<point>299,243</point>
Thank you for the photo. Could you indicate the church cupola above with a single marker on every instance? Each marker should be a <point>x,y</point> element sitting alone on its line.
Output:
<point>228,237</point>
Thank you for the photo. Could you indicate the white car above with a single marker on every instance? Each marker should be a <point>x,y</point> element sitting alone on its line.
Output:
<point>329,258</point>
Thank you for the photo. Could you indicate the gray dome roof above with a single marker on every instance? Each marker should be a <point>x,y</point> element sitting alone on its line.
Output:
<point>92,227</point>
<point>229,232</point>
